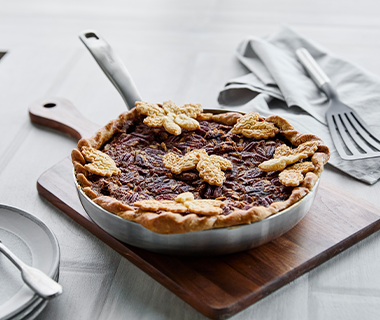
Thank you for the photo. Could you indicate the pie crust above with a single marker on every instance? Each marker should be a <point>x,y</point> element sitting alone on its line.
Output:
<point>297,163</point>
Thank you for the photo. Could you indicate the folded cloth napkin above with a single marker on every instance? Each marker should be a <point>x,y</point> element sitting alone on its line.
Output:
<point>276,73</point>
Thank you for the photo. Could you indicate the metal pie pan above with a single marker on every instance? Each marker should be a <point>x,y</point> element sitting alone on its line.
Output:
<point>206,242</point>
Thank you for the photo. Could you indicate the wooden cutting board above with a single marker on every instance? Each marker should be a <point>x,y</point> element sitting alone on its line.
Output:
<point>221,286</point>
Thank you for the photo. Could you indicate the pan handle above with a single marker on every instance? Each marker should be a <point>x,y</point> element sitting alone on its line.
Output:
<point>112,66</point>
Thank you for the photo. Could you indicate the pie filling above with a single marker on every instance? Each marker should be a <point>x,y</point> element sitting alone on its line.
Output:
<point>138,152</point>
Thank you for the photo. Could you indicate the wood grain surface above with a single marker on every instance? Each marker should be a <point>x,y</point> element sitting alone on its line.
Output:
<point>221,286</point>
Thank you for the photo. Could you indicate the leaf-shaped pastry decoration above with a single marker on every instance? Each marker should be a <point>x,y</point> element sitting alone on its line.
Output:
<point>99,162</point>
<point>170,116</point>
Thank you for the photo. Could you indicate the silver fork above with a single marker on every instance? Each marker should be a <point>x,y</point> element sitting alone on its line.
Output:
<point>38,281</point>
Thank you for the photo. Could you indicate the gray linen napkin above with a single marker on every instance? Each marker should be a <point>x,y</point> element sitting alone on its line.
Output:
<point>276,72</point>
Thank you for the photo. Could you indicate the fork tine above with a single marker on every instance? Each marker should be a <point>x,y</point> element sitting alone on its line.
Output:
<point>336,137</point>
<point>344,136</point>
<point>363,130</point>
<point>352,128</point>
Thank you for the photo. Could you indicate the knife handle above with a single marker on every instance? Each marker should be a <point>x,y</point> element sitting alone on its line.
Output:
<point>112,66</point>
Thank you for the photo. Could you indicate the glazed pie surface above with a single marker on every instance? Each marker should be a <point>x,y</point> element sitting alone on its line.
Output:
<point>176,169</point>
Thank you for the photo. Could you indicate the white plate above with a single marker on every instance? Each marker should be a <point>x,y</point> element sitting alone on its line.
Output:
<point>35,313</point>
<point>35,244</point>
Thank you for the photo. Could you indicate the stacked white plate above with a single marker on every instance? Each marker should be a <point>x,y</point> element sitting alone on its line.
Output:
<point>35,244</point>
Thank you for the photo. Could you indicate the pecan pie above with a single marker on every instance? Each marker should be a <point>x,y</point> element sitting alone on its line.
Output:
<point>177,169</point>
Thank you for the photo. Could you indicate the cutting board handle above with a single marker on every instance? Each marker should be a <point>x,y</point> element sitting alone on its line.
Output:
<point>60,114</point>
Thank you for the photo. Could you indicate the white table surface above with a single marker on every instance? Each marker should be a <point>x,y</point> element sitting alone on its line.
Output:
<point>183,51</point>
